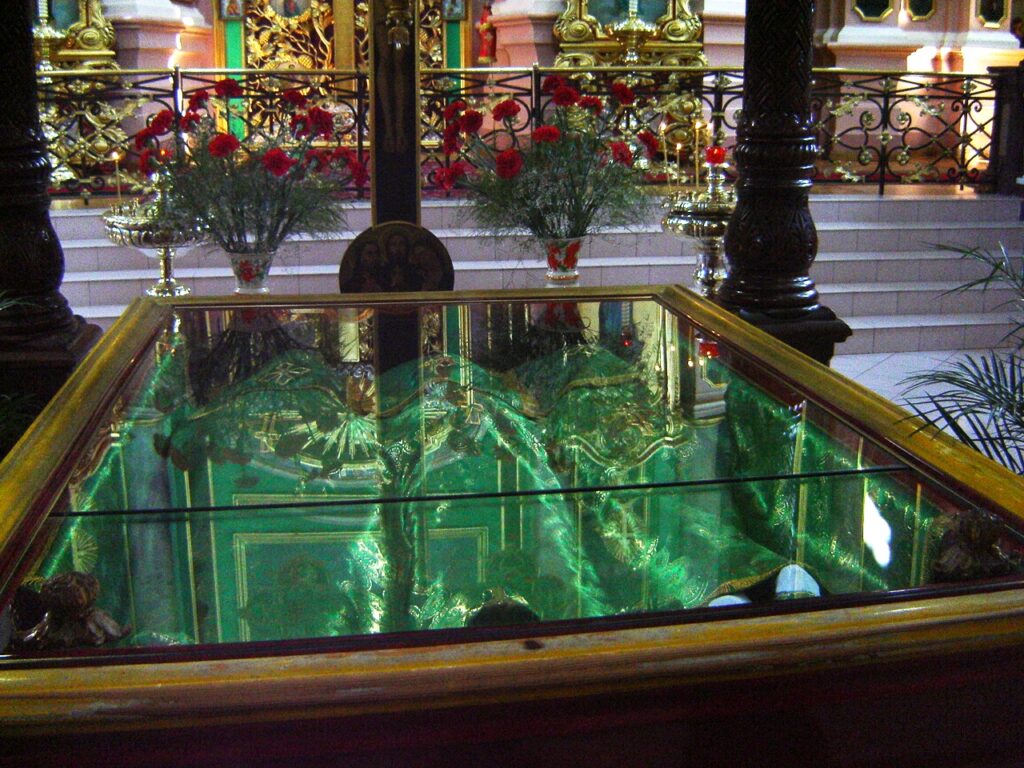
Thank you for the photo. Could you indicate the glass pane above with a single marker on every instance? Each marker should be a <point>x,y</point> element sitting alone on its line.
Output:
<point>337,569</point>
<point>331,471</point>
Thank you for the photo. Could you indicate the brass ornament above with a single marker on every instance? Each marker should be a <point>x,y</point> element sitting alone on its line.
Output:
<point>277,41</point>
<point>586,41</point>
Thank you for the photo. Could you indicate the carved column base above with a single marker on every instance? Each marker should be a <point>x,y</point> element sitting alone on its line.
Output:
<point>814,333</point>
<point>39,367</point>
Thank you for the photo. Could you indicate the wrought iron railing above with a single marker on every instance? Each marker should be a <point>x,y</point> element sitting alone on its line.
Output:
<point>875,128</point>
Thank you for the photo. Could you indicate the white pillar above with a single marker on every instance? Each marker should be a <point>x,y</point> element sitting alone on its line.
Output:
<point>723,32</point>
<point>524,31</point>
<point>157,34</point>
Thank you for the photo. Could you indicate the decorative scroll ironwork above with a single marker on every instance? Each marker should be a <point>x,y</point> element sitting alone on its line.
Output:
<point>903,128</point>
<point>91,118</point>
<point>871,128</point>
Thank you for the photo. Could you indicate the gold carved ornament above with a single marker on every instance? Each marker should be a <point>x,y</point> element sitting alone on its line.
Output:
<point>586,41</point>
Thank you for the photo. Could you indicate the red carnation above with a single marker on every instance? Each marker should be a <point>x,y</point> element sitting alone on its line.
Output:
<point>451,142</point>
<point>223,144</point>
<point>593,103</point>
<point>321,121</point>
<point>508,164</point>
<point>189,119</point>
<point>506,110</point>
<point>228,88</point>
<point>343,153</point>
<point>146,161</point>
<point>198,99</point>
<point>453,110</point>
<point>446,178</point>
<point>552,83</point>
<point>621,153</point>
<point>650,142</point>
<point>162,121</point>
<point>359,173</point>
<point>320,159</point>
<point>294,97</point>
<point>623,93</point>
<point>299,125</point>
<point>546,134</point>
<point>565,96</point>
<point>471,121</point>
<point>143,137</point>
<point>277,161</point>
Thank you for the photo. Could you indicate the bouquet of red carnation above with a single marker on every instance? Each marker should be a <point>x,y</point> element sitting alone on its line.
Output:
<point>569,176</point>
<point>247,195</point>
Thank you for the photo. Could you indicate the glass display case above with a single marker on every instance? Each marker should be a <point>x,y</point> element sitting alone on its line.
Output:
<point>451,502</point>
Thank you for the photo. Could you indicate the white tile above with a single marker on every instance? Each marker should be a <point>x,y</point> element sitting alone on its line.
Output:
<point>861,341</point>
<point>884,240</point>
<point>947,337</point>
<point>897,339</point>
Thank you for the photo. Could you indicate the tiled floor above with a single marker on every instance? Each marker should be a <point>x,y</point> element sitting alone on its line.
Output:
<point>885,372</point>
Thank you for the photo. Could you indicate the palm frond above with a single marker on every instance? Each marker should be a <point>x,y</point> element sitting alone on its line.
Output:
<point>980,401</point>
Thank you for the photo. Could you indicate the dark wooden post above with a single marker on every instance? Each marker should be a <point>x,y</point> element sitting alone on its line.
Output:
<point>40,339</point>
<point>394,111</point>
<point>771,240</point>
<point>1006,164</point>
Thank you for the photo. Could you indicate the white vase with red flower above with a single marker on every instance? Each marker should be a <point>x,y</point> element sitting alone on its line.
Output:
<point>562,179</point>
<point>249,188</point>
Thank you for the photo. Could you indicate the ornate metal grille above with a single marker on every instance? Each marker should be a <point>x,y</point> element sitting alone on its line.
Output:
<point>872,128</point>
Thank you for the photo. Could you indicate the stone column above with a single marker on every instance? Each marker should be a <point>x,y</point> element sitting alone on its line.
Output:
<point>160,34</point>
<point>525,30</point>
<point>771,240</point>
<point>40,339</point>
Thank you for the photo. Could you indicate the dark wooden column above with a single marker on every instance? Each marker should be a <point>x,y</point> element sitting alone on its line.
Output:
<point>40,339</point>
<point>394,112</point>
<point>771,240</point>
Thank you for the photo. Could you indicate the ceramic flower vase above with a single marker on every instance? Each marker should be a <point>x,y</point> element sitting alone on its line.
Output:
<point>251,271</point>
<point>562,256</point>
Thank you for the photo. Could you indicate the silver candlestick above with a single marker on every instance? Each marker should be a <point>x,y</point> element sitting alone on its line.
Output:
<point>703,214</point>
<point>143,225</point>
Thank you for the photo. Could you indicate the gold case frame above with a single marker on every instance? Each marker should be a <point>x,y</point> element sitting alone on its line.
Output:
<point>922,16</point>
<point>880,17</point>
<point>982,13</point>
<point>585,40</point>
<point>89,42</point>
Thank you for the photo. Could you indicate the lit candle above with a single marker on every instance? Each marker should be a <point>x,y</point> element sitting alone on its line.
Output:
<point>697,126</point>
<point>116,157</point>
<point>679,162</point>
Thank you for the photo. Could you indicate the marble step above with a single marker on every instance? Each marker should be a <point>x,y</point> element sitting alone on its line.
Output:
<point>904,298</point>
<point>912,333</point>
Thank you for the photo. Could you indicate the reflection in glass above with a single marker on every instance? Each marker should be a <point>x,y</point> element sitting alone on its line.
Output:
<point>266,477</point>
<point>64,13</point>
<point>610,11</point>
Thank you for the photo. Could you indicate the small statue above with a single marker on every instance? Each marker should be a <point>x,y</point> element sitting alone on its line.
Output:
<point>970,549</point>
<point>488,36</point>
<point>71,618</point>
